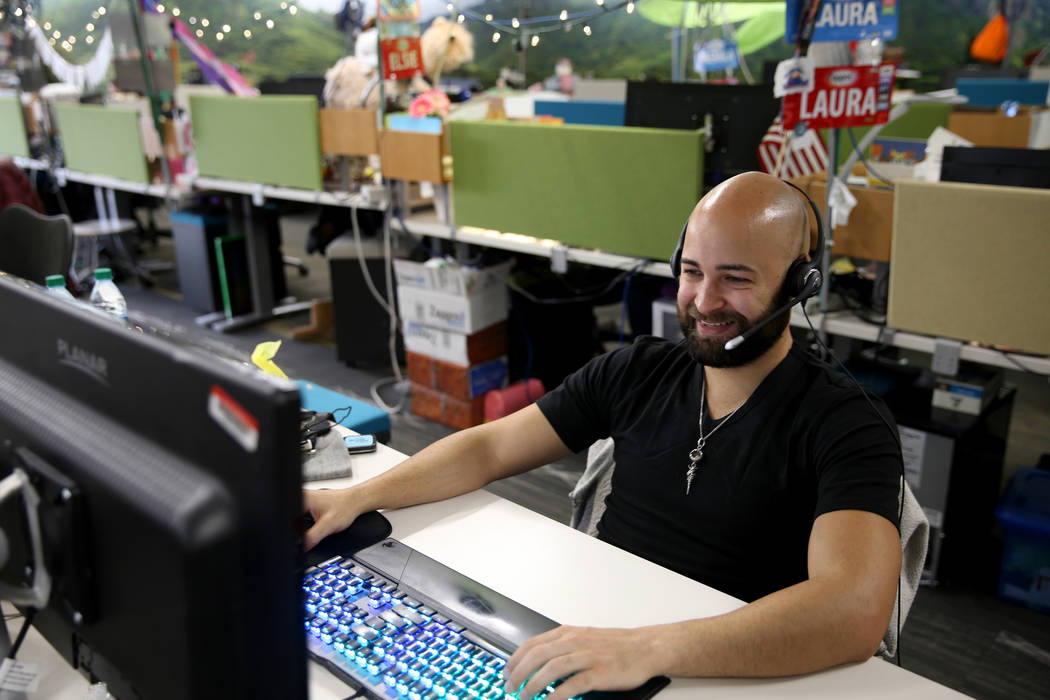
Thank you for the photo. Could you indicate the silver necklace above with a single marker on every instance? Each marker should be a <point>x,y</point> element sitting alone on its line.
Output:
<point>697,453</point>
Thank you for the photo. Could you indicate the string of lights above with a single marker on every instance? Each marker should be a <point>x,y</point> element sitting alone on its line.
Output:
<point>535,26</point>
<point>68,40</point>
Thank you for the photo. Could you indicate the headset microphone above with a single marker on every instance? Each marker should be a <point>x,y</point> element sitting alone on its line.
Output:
<point>810,286</point>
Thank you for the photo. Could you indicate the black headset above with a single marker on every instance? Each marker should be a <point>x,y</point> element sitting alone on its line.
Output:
<point>803,278</point>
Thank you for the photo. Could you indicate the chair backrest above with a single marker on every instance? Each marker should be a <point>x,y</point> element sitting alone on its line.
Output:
<point>33,246</point>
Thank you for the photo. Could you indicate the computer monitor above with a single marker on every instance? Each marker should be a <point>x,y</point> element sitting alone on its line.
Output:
<point>740,115</point>
<point>165,505</point>
<point>1017,167</point>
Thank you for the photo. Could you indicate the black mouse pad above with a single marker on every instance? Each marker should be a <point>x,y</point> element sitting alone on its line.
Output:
<point>369,528</point>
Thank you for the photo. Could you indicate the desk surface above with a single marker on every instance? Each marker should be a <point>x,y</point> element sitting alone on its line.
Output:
<point>518,544</point>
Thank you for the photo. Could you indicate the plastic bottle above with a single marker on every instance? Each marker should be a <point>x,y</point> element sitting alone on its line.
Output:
<point>106,296</point>
<point>56,286</point>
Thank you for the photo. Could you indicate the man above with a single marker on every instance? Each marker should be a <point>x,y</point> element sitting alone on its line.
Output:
<point>757,470</point>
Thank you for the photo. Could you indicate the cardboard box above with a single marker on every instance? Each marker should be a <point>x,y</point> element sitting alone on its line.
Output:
<point>869,232</point>
<point>969,262</point>
<point>463,383</point>
<point>990,127</point>
<point>349,132</point>
<point>447,410</point>
<point>456,348</point>
<point>452,312</point>
<point>970,391</point>
<point>441,276</point>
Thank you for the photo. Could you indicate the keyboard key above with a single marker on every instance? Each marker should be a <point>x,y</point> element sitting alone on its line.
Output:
<point>364,632</point>
<point>429,612</point>
<point>455,627</point>
<point>377,623</point>
<point>441,619</point>
<point>395,621</point>
<point>412,603</point>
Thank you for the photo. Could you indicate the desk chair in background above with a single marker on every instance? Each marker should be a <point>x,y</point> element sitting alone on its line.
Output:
<point>594,485</point>
<point>92,235</point>
<point>33,246</point>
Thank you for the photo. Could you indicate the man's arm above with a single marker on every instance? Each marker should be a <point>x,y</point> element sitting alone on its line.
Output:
<point>457,464</point>
<point>838,615</point>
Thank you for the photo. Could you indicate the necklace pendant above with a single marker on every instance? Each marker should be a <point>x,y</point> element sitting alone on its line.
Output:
<point>690,473</point>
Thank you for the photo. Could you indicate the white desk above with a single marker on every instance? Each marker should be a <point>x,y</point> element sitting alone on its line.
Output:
<point>508,548</point>
<point>596,584</point>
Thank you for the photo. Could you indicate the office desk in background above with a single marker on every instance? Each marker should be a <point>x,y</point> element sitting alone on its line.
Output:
<point>550,568</point>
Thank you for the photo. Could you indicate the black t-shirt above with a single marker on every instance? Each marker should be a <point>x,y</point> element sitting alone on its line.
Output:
<point>805,443</point>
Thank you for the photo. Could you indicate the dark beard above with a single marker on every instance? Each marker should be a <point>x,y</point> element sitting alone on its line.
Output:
<point>713,353</point>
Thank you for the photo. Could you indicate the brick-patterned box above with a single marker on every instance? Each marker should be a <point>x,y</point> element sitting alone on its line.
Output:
<point>447,410</point>
<point>463,383</point>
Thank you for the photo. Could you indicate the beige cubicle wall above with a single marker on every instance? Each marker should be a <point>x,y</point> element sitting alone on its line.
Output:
<point>970,263</point>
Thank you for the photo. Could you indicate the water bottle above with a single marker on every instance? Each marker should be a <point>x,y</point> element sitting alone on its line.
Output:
<point>106,296</point>
<point>56,286</point>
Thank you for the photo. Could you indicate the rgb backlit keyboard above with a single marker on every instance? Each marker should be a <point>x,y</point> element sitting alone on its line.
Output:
<point>393,623</point>
<point>392,644</point>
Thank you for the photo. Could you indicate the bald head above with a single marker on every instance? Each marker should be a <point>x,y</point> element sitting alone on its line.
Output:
<point>762,209</point>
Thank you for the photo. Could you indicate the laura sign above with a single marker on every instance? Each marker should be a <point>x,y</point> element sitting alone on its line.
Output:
<point>846,20</point>
<point>841,97</point>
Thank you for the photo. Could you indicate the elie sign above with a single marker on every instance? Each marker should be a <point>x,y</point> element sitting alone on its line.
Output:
<point>841,97</point>
<point>402,57</point>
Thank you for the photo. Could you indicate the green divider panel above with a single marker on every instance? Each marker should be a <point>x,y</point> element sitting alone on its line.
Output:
<point>622,190</point>
<point>917,123</point>
<point>272,139</point>
<point>13,141</point>
<point>102,141</point>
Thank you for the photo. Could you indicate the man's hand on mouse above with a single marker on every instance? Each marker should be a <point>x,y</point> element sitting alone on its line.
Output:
<point>587,658</point>
<point>332,511</point>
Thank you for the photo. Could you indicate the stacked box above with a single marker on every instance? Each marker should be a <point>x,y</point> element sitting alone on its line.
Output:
<point>455,330</point>
<point>447,410</point>
<point>463,383</point>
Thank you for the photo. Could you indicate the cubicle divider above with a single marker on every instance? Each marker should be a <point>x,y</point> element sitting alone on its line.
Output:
<point>969,262</point>
<point>405,155</point>
<point>270,139</point>
<point>620,190</point>
<point>102,141</point>
<point>13,139</point>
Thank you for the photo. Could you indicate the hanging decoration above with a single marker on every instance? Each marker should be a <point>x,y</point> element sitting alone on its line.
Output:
<point>215,71</point>
<point>535,26</point>
<point>83,76</point>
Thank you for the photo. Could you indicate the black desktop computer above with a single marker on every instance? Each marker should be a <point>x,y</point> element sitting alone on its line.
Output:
<point>151,505</point>
<point>1016,167</point>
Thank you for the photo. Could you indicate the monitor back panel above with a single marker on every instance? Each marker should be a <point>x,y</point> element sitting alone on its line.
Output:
<point>740,117</point>
<point>271,139</point>
<point>13,141</point>
<point>102,141</point>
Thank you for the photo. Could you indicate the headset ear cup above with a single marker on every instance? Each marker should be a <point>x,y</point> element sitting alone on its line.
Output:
<point>676,256</point>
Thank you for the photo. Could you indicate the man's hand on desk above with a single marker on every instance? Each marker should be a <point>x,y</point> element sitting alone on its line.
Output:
<point>331,510</point>
<point>588,658</point>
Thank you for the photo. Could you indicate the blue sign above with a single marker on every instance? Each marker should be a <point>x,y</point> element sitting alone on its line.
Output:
<point>716,54</point>
<point>847,20</point>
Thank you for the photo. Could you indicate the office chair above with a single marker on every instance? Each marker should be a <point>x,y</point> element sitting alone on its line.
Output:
<point>33,246</point>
